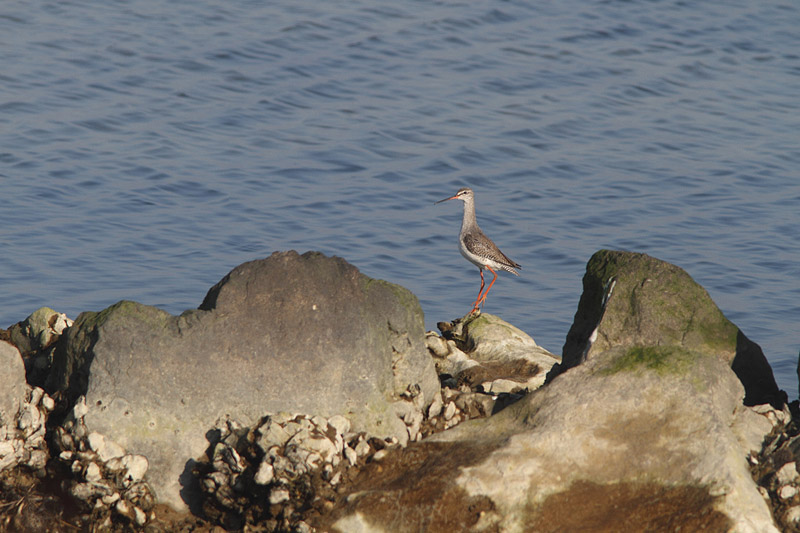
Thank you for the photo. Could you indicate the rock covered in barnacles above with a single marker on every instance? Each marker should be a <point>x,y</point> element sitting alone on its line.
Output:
<point>271,473</point>
<point>106,479</point>
<point>22,436</point>
<point>104,448</point>
<point>130,468</point>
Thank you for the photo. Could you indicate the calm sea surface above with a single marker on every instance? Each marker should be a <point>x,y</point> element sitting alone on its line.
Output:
<point>148,147</point>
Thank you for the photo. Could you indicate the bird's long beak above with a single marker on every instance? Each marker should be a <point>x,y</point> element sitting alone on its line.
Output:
<point>440,201</point>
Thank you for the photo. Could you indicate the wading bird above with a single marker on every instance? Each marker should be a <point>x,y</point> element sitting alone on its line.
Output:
<point>477,247</point>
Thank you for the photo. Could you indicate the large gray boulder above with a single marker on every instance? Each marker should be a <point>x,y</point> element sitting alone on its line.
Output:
<point>633,299</point>
<point>297,333</point>
<point>627,441</point>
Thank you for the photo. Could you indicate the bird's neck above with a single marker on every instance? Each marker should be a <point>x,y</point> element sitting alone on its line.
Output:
<point>469,221</point>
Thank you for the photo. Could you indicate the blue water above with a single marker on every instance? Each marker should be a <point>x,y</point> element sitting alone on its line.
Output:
<point>148,147</point>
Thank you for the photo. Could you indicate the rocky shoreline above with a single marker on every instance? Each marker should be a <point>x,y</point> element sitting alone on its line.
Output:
<point>303,396</point>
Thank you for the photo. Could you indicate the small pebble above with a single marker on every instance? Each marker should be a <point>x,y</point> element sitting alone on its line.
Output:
<point>110,499</point>
<point>139,517</point>
<point>38,460</point>
<point>792,515</point>
<point>380,454</point>
<point>265,473</point>
<point>123,508</point>
<point>452,422</point>
<point>80,409</point>
<point>30,419</point>
<point>302,527</point>
<point>436,344</point>
<point>81,491</point>
<point>278,496</point>
<point>436,406</point>
<point>61,323</point>
<point>48,403</point>
<point>449,411</point>
<point>351,455</point>
<point>36,396</point>
<point>787,492</point>
<point>93,473</point>
<point>362,448</point>
<point>787,473</point>
<point>136,467</point>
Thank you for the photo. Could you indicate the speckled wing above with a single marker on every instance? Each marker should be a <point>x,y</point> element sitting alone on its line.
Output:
<point>480,245</point>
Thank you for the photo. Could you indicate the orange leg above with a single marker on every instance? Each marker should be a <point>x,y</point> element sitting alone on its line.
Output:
<point>482,299</point>
<point>475,305</point>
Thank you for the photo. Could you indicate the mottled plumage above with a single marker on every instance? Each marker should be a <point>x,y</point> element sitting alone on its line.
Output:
<point>476,247</point>
<point>477,244</point>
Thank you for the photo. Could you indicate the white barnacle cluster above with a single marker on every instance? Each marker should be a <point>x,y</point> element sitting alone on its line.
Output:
<point>22,440</point>
<point>105,478</point>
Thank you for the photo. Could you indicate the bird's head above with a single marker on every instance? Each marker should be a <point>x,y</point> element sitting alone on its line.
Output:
<point>464,194</point>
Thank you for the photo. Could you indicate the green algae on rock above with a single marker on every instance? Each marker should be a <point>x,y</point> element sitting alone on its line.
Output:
<point>636,301</point>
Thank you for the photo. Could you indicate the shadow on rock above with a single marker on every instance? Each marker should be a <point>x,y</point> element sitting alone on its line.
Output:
<point>753,370</point>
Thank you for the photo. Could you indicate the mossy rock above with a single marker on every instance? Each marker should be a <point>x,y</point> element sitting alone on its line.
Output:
<point>651,308</point>
<point>651,303</point>
<point>492,336</point>
<point>33,332</point>
<point>659,359</point>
